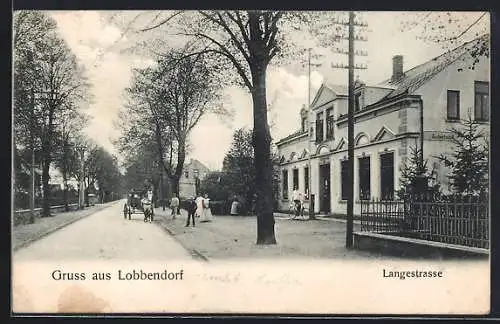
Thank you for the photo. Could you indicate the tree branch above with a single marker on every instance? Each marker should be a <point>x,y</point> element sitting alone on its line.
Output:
<point>224,52</point>
<point>239,21</point>
<point>233,37</point>
<point>465,30</point>
<point>162,22</point>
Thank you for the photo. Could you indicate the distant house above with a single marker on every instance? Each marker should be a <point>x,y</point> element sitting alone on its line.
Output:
<point>56,179</point>
<point>386,125</point>
<point>192,173</point>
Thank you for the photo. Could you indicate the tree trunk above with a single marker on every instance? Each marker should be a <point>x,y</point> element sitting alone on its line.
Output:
<point>161,165</point>
<point>46,158</point>
<point>181,157</point>
<point>86,194</point>
<point>65,192</point>
<point>175,184</point>
<point>162,190</point>
<point>168,189</point>
<point>45,186</point>
<point>261,141</point>
<point>79,198</point>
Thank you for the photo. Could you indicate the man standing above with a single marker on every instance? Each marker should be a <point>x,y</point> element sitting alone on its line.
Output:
<point>150,198</point>
<point>174,204</point>
<point>191,209</point>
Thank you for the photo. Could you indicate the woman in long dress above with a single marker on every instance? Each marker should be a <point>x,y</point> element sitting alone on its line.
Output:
<point>234,207</point>
<point>206,215</point>
<point>199,206</point>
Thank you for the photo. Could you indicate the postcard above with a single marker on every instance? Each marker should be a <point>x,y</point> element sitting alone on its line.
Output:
<point>250,162</point>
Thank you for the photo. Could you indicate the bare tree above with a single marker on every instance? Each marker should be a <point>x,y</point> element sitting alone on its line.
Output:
<point>49,73</point>
<point>66,157</point>
<point>166,103</point>
<point>246,42</point>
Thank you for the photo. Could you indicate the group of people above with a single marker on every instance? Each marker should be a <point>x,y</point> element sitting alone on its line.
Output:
<point>198,207</point>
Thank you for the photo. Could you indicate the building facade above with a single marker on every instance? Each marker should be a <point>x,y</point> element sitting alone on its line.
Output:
<point>192,174</point>
<point>389,119</point>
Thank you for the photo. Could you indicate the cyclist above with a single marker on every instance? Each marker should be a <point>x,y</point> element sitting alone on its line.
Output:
<point>297,201</point>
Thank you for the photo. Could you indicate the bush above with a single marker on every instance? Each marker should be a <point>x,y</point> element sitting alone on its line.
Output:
<point>223,207</point>
<point>21,200</point>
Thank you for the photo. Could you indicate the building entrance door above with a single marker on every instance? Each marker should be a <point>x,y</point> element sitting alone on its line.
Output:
<point>324,188</point>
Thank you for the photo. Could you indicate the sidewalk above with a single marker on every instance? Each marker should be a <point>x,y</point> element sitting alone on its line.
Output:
<point>22,235</point>
<point>331,218</point>
<point>235,237</point>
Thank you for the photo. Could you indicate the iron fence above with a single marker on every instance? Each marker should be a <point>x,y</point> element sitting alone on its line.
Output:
<point>381,216</point>
<point>454,220</point>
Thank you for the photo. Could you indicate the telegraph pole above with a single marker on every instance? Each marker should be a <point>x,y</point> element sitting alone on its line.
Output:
<point>309,134</point>
<point>350,136</point>
<point>81,200</point>
<point>32,138</point>
<point>350,119</point>
<point>309,113</point>
<point>32,143</point>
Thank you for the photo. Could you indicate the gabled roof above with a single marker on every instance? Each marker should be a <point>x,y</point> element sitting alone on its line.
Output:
<point>338,89</point>
<point>196,163</point>
<point>420,74</point>
<point>294,134</point>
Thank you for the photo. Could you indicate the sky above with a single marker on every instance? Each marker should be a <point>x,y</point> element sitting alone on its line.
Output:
<point>109,71</point>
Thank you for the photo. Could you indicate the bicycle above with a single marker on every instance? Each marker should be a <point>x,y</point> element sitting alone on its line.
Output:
<point>293,210</point>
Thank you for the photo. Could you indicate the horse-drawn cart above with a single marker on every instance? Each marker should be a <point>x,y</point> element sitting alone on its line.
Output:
<point>139,202</point>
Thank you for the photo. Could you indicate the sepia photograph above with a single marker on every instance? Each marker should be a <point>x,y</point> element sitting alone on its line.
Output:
<point>250,162</point>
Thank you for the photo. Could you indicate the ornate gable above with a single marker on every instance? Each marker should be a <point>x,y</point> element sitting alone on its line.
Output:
<point>361,138</point>
<point>323,149</point>
<point>384,134</point>
<point>342,143</point>
<point>323,96</point>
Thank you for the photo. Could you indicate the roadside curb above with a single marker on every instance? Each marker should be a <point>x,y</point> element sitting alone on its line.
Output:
<point>195,254</point>
<point>322,219</point>
<point>339,220</point>
<point>52,230</point>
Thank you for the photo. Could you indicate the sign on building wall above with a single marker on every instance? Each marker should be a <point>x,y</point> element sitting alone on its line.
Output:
<point>437,136</point>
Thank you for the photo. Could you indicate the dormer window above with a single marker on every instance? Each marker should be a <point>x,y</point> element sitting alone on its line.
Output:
<point>319,127</point>
<point>329,123</point>
<point>357,101</point>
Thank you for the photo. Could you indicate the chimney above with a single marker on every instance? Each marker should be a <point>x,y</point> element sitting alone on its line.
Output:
<point>397,67</point>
